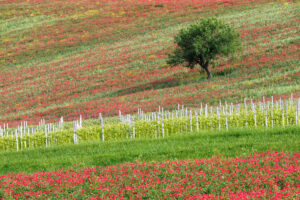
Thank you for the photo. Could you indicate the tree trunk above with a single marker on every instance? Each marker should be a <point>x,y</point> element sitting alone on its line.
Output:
<point>205,67</point>
<point>208,72</point>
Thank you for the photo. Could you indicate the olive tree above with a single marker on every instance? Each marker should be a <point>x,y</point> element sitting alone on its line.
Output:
<point>200,43</point>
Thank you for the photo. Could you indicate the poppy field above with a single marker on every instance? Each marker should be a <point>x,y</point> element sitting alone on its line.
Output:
<point>66,58</point>
<point>268,175</point>
<point>90,109</point>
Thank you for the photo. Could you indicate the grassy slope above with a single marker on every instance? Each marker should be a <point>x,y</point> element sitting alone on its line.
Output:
<point>63,59</point>
<point>203,145</point>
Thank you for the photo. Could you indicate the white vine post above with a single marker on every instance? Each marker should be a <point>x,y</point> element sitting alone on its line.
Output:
<point>17,143</point>
<point>218,111</point>
<point>296,114</point>
<point>120,115</point>
<point>298,105</point>
<point>197,123</point>
<point>180,116</point>
<point>226,121</point>
<point>102,126</point>
<point>254,112</point>
<point>266,116</point>
<point>182,110</point>
<point>186,128</point>
<point>238,113</point>
<point>282,110</point>
<point>191,125</point>
<point>162,126</point>
<point>3,130</point>
<point>21,134</point>
<point>245,105</point>
<point>133,128</point>
<point>211,114</point>
<point>201,109</point>
<point>272,107</point>
<point>25,136</point>
<point>74,132</point>
<point>287,113</point>
<point>129,121</point>
<point>80,121</point>
<point>46,135</point>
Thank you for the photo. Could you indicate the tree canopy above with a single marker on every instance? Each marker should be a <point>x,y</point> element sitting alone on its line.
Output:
<point>201,42</point>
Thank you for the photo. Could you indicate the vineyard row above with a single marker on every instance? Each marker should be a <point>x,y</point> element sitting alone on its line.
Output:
<point>155,124</point>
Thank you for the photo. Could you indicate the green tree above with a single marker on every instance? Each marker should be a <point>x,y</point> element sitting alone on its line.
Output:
<point>200,43</point>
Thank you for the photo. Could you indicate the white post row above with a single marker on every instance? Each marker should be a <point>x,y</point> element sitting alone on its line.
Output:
<point>267,109</point>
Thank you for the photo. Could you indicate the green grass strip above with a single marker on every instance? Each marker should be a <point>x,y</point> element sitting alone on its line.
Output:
<point>185,146</point>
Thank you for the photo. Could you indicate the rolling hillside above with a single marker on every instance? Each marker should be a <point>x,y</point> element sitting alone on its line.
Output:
<point>234,136</point>
<point>66,58</point>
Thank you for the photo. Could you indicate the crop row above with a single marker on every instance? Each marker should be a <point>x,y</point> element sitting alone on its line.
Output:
<point>160,124</point>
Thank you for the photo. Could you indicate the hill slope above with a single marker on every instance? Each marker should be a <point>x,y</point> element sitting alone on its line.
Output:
<point>65,58</point>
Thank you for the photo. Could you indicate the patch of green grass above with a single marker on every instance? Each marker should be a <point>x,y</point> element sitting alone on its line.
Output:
<point>25,23</point>
<point>185,146</point>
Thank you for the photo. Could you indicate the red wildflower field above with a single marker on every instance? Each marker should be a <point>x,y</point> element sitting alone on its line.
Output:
<point>269,175</point>
<point>66,58</point>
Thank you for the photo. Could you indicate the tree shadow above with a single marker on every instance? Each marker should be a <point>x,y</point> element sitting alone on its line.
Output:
<point>168,82</point>
<point>172,81</point>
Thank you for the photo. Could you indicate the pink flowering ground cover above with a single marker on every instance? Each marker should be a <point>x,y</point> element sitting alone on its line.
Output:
<point>70,58</point>
<point>269,175</point>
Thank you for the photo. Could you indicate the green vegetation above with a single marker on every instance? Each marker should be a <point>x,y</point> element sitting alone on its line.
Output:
<point>184,146</point>
<point>81,58</point>
<point>200,43</point>
<point>65,59</point>
<point>158,125</point>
